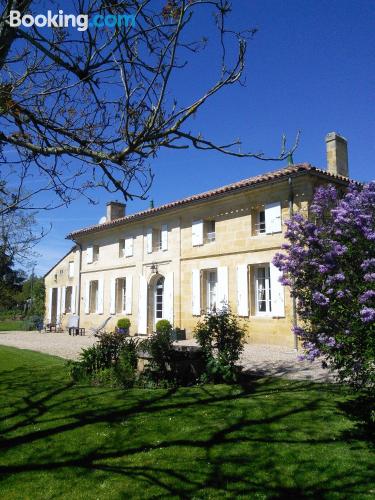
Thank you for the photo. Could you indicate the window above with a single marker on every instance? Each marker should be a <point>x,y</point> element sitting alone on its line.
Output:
<point>95,253</point>
<point>68,299</point>
<point>260,225</point>
<point>209,289</point>
<point>159,290</point>
<point>267,219</point>
<point>156,240</point>
<point>121,248</point>
<point>92,254</point>
<point>71,270</point>
<point>262,289</point>
<point>209,231</point>
<point>94,285</point>
<point>120,295</point>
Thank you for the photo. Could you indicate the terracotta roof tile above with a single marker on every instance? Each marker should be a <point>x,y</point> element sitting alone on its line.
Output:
<point>251,181</point>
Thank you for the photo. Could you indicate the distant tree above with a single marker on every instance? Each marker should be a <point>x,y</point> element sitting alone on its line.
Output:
<point>11,281</point>
<point>30,298</point>
<point>329,263</point>
<point>84,109</point>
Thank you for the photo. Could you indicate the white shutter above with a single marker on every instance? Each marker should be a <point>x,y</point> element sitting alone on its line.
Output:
<point>112,299</point>
<point>74,294</point>
<point>142,306</point>
<point>242,290</point>
<point>87,297</point>
<point>277,292</point>
<point>149,240</point>
<point>222,287</point>
<point>71,269</point>
<point>168,298</point>
<point>197,233</point>
<point>273,217</point>
<point>49,316</point>
<point>63,296</point>
<point>129,247</point>
<point>196,292</point>
<point>129,294</point>
<point>90,255</point>
<point>58,304</point>
<point>100,308</point>
<point>164,237</point>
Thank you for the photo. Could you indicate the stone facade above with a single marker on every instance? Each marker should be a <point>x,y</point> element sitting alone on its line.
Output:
<point>120,270</point>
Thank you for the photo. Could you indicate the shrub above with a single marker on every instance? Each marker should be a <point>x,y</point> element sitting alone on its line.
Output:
<point>104,354</point>
<point>330,266</point>
<point>163,326</point>
<point>126,367</point>
<point>221,338</point>
<point>160,348</point>
<point>123,325</point>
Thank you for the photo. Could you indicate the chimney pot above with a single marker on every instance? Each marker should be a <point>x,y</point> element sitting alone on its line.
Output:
<point>115,210</point>
<point>337,154</point>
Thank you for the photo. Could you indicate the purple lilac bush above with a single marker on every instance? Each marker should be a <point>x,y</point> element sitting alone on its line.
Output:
<point>329,264</point>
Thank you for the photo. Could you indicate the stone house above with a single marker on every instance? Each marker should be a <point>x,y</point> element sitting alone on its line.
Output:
<point>178,260</point>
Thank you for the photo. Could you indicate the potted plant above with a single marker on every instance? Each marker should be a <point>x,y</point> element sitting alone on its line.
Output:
<point>123,325</point>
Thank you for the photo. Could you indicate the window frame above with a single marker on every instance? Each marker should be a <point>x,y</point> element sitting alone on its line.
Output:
<point>207,231</point>
<point>267,289</point>
<point>68,288</point>
<point>92,302</point>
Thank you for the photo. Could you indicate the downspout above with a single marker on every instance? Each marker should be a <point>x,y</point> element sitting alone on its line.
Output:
<point>79,284</point>
<point>294,305</point>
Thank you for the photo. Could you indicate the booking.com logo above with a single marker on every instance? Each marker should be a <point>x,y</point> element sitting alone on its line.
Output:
<point>81,21</point>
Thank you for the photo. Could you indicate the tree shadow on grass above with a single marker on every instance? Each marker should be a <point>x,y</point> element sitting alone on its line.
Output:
<point>254,439</point>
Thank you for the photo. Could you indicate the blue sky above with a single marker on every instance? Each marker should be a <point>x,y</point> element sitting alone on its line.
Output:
<point>311,67</point>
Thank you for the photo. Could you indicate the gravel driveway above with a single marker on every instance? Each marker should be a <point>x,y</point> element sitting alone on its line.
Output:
<point>257,358</point>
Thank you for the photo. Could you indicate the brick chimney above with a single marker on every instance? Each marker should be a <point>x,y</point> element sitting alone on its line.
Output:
<point>115,210</point>
<point>337,154</point>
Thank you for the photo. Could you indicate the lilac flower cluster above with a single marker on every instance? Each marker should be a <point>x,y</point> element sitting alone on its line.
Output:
<point>329,265</point>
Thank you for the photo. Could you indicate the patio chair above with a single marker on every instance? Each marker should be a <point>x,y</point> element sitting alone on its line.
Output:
<point>98,330</point>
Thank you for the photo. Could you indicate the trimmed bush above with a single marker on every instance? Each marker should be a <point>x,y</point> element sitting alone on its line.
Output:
<point>123,325</point>
<point>163,326</point>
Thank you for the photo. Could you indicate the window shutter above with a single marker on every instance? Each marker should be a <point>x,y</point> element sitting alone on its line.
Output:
<point>196,292</point>
<point>129,247</point>
<point>222,287</point>
<point>71,269</point>
<point>63,297</point>
<point>49,316</point>
<point>197,233</point>
<point>242,290</point>
<point>149,240</point>
<point>142,306</point>
<point>87,297</point>
<point>58,305</point>
<point>277,292</point>
<point>90,255</point>
<point>100,308</point>
<point>74,294</point>
<point>129,294</point>
<point>273,217</point>
<point>164,237</point>
<point>112,299</point>
<point>168,298</point>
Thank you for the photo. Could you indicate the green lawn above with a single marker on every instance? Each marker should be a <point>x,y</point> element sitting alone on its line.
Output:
<point>12,325</point>
<point>270,439</point>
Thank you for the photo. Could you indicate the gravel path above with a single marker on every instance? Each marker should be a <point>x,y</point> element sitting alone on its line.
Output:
<point>258,359</point>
